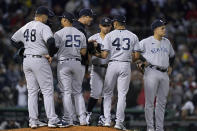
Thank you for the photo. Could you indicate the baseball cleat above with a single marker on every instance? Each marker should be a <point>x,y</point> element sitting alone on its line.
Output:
<point>120,126</point>
<point>54,125</point>
<point>76,123</point>
<point>33,126</point>
<point>83,123</point>
<point>150,130</point>
<point>41,124</point>
<point>37,124</point>
<point>64,124</point>
<point>107,124</point>
<point>88,118</point>
<point>82,120</point>
<point>101,121</point>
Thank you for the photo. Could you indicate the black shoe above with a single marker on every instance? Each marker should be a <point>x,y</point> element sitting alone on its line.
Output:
<point>101,121</point>
<point>60,124</point>
<point>76,123</point>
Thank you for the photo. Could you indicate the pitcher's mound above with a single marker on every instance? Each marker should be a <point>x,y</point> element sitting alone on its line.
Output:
<point>73,128</point>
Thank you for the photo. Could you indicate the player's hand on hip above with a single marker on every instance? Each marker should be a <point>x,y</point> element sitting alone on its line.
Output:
<point>97,54</point>
<point>169,70</point>
<point>49,58</point>
<point>146,64</point>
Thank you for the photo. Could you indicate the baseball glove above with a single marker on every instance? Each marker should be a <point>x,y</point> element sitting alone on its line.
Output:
<point>140,66</point>
<point>98,48</point>
<point>93,47</point>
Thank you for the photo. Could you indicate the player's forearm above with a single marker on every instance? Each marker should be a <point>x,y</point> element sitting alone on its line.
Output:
<point>171,61</point>
<point>169,70</point>
<point>135,56</point>
<point>171,64</point>
<point>17,45</point>
<point>102,55</point>
<point>83,51</point>
<point>97,55</point>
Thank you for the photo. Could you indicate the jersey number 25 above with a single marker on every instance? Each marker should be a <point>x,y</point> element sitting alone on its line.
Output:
<point>125,45</point>
<point>72,40</point>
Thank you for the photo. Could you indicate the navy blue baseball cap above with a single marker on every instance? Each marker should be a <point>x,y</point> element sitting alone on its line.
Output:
<point>105,21</point>
<point>157,23</point>
<point>120,18</point>
<point>43,10</point>
<point>68,16</point>
<point>86,12</point>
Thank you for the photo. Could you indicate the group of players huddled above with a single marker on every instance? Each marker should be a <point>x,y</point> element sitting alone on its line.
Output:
<point>109,52</point>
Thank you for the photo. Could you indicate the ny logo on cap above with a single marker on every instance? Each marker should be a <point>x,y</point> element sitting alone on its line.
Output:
<point>106,20</point>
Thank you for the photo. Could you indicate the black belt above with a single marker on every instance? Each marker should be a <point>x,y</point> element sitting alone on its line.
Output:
<point>158,68</point>
<point>118,60</point>
<point>35,56</point>
<point>101,65</point>
<point>77,59</point>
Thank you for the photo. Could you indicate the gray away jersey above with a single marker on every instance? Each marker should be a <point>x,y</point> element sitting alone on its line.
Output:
<point>70,41</point>
<point>96,60</point>
<point>121,44</point>
<point>34,35</point>
<point>157,52</point>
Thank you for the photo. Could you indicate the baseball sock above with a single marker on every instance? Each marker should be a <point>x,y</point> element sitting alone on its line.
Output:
<point>102,110</point>
<point>91,103</point>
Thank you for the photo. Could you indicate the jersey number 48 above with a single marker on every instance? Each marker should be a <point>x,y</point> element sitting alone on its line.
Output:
<point>125,43</point>
<point>32,35</point>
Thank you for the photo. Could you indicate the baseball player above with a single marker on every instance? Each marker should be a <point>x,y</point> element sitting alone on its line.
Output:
<point>121,44</point>
<point>72,44</point>
<point>37,39</point>
<point>85,19</point>
<point>158,56</point>
<point>98,71</point>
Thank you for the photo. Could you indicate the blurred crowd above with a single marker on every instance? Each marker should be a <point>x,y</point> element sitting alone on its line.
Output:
<point>181,18</point>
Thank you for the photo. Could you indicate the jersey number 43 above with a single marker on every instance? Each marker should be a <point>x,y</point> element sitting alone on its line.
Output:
<point>125,43</point>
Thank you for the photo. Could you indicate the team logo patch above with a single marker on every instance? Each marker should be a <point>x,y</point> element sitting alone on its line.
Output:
<point>161,49</point>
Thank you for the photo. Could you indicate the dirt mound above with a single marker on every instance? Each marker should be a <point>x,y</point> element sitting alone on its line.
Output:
<point>73,128</point>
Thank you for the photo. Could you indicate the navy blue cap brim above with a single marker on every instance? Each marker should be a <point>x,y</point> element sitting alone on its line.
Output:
<point>45,11</point>
<point>118,21</point>
<point>105,24</point>
<point>51,13</point>
<point>156,24</point>
<point>87,12</point>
